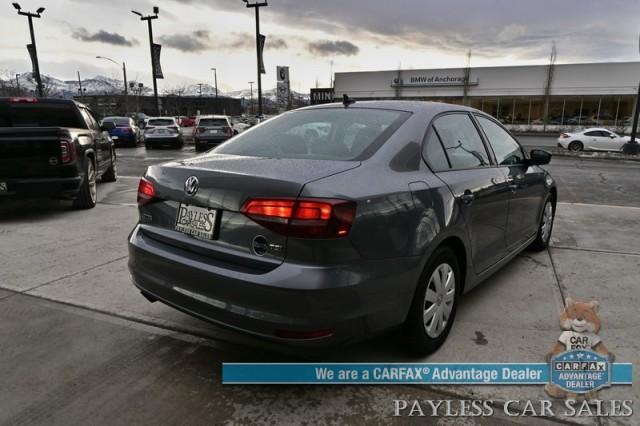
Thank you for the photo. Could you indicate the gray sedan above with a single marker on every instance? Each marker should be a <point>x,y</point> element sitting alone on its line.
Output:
<point>334,222</point>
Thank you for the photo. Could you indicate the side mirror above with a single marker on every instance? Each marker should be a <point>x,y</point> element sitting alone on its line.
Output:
<point>107,126</point>
<point>540,157</point>
<point>612,136</point>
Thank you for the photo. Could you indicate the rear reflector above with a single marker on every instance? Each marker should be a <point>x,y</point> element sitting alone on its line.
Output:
<point>303,218</point>
<point>311,334</point>
<point>146,191</point>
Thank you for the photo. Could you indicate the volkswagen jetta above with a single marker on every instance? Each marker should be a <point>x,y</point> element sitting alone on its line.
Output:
<point>333,222</point>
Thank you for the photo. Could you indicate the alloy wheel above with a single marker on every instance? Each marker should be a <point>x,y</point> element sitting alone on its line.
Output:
<point>547,222</point>
<point>91,180</point>
<point>438,300</point>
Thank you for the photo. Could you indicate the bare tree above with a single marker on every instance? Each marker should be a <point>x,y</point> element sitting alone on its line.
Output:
<point>467,76</point>
<point>547,88</point>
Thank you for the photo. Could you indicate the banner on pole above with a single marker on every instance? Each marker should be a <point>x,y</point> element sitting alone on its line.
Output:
<point>157,70</point>
<point>261,40</point>
<point>32,54</point>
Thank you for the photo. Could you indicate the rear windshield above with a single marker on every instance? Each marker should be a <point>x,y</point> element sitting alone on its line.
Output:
<point>118,121</point>
<point>213,122</point>
<point>161,122</point>
<point>321,134</point>
<point>40,115</point>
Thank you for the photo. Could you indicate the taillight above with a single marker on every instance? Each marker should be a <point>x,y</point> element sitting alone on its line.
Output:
<point>23,99</point>
<point>199,130</point>
<point>564,136</point>
<point>303,218</point>
<point>67,150</point>
<point>146,191</point>
<point>229,131</point>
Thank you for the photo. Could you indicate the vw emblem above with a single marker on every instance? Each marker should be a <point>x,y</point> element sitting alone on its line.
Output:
<point>191,185</point>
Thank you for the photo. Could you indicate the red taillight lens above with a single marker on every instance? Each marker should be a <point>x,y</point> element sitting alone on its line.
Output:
<point>229,131</point>
<point>67,151</point>
<point>304,218</point>
<point>199,130</point>
<point>146,191</point>
<point>564,136</point>
<point>23,99</point>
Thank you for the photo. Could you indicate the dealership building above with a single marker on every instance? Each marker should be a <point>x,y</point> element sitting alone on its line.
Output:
<point>591,94</point>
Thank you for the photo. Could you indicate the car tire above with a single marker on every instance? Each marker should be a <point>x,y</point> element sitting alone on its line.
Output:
<point>426,328</point>
<point>87,196</point>
<point>545,227</point>
<point>575,146</point>
<point>111,175</point>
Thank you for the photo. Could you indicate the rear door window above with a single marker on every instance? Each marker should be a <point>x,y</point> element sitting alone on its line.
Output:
<point>433,153</point>
<point>461,141</point>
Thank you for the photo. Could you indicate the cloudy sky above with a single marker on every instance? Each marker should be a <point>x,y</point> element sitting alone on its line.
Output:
<point>310,35</point>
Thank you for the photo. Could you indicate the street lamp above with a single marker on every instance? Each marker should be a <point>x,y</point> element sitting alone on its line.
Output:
<point>633,147</point>
<point>149,18</point>
<point>124,74</point>
<point>215,78</point>
<point>257,7</point>
<point>36,65</point>
<point>251,98</point>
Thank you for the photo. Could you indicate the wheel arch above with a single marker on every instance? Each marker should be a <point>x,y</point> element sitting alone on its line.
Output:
<point>460,250</point>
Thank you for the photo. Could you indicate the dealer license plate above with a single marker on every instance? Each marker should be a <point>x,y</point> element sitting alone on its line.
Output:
<point>197,221</point>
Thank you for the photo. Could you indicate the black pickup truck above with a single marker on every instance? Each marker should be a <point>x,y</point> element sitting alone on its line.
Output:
<point>53,148</point>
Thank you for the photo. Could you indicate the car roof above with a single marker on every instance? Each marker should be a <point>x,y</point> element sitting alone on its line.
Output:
<point>411,106</point>
<point>161,118</point>
<point>591,129</point>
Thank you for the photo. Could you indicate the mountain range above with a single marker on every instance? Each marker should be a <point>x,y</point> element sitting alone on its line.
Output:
<point>99,85</point>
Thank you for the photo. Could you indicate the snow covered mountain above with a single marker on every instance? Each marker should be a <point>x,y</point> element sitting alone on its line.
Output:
<point>101,85</point>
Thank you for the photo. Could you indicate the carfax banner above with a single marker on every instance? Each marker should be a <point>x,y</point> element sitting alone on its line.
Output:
<point>576,375</point>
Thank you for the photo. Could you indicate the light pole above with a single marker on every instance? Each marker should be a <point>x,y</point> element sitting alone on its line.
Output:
<point>124,75</point>
<point>633,147</point>
<point>215,79</point>
<point>251,98</point>
<point>36,65</point>
<point>257,7</point>
<point>150,18</point>
<point>18,83</point>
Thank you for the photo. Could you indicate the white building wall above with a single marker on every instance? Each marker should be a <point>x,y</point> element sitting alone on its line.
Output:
<point>616,78</point>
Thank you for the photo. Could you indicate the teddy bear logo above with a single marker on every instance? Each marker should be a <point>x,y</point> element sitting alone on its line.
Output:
<point>581,324</point>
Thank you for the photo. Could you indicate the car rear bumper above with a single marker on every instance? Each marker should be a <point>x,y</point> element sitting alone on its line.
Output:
<point>351,301</point>
<point>64,188</point>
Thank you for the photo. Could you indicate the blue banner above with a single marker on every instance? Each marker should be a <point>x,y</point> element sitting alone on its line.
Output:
<point>394,373</point>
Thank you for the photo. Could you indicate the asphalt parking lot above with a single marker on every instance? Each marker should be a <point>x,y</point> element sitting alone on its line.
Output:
<point>79,342</point>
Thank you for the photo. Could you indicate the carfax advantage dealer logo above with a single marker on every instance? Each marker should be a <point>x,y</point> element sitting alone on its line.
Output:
<point>580,371</point>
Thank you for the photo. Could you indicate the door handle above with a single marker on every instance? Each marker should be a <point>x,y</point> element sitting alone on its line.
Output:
<point>467,197</point>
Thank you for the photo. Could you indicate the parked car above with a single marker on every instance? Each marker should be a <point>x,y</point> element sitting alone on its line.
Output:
<point>53,148</point>
<point>187,121</point>
<point>327,243</point>
<point>579,120</point>
<point>593,139</point>
<point>211,130</point>
<point>125,132</point>
<point>162,131</point>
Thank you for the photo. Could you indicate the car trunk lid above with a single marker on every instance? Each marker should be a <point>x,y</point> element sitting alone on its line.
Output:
<point>225,183</point>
